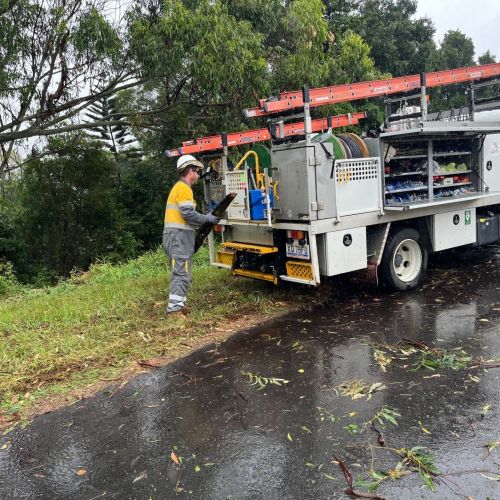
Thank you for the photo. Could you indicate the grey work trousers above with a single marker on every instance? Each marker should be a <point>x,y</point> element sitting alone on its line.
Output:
<point>179,247</point>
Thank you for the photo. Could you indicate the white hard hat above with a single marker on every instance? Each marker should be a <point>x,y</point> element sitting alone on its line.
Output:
<point>187,161</point>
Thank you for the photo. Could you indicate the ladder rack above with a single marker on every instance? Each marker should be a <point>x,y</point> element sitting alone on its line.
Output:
<point>216,142</point>
<point>331,95</point>
<point>364,90</point>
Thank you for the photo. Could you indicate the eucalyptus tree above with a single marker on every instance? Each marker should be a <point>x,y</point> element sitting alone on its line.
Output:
<point>202,66</point>
<point>57,58</point>
<point>455,51</point>
<point>206,60</point>
<point>293,39</point>
<point>71,213</point>
<point>302,46</point>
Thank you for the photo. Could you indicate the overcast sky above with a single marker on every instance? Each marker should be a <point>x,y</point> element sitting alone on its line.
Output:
<point>478,19</point>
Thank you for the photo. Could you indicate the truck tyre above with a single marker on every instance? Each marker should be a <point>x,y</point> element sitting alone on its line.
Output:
<point>405,260</point>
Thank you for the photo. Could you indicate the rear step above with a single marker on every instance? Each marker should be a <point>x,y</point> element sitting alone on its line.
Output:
<point>256,274</point>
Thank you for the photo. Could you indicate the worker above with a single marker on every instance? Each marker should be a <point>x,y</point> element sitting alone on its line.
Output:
<point>181,220</point>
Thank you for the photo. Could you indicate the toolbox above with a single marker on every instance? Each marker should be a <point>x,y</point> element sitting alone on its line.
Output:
<point>258,204</point>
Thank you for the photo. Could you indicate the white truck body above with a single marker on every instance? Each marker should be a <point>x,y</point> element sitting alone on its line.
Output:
<point>347,209</point>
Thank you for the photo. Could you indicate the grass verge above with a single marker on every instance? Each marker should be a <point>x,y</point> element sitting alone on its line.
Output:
<point>91,327</point>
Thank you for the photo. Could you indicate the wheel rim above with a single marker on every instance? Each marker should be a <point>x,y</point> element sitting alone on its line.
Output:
<point>407,260</point>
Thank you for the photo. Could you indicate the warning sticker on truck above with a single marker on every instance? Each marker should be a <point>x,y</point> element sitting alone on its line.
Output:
<point>468,217</point>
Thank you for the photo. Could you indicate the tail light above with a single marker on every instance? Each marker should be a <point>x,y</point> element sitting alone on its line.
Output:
<point>296,235</point>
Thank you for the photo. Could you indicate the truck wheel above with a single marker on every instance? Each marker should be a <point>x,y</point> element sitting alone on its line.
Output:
<point>405,260</point>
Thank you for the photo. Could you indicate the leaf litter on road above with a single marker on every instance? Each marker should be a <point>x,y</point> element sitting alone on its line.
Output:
<point>262,382</point>
<point>386,414</point>
<point>382,359</point>
<point>358,389</point>
<point>174,458</point>
<point>492,445</point>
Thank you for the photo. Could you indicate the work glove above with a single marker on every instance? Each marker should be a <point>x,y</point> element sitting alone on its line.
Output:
<point>212,219</point>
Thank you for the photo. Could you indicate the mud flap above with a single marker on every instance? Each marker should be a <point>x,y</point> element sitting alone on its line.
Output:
<point>368,276</point>
<point>376,239</point>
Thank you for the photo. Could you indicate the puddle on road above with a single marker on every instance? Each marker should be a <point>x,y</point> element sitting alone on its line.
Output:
<point>263,414</point>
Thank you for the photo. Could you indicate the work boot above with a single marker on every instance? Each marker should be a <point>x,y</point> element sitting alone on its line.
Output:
<point>181,313</point>
<point>176,315</point>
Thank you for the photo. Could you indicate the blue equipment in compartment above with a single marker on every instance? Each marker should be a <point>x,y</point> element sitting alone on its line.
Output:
<point>258,204</point>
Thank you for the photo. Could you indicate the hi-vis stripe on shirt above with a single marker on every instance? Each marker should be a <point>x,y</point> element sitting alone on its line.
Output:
<point>180,196</point>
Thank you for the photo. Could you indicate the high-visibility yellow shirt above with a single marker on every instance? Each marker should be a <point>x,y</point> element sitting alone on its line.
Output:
<point>181,195</point>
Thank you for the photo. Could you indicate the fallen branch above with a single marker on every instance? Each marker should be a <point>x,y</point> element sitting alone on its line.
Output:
<point>485,366</point>
<point>415,343</point>
<point>350,490</point>
<point>472,428</point>
<point>472,471</point>
<point>190,379</point>
<point>147,364</point>
<point>380,437</point>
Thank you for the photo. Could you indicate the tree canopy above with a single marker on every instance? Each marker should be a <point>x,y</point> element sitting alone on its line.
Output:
<point>60,56</point>
<point>456,50</point>
<point>71,215</point>
<point>400,43</point>
<point>191,66</point>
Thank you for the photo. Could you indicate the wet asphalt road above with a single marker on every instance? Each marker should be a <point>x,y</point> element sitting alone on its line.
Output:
<point>235,440</point>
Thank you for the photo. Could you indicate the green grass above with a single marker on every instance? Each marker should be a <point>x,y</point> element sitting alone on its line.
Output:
<point>93,325</point>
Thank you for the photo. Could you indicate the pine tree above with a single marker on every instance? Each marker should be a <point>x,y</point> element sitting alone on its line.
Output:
<point>118,139</point>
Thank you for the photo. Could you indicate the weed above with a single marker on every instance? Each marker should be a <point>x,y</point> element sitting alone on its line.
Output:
<point>492,445</point>
<point>352,429</point>
<point>382,359</point>
<point>378,477</point>
<point>417,459</point>
<point>430,358</point>
<point>358,389</point>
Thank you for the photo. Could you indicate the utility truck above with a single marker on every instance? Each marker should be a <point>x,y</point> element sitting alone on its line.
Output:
<point>317,204</point>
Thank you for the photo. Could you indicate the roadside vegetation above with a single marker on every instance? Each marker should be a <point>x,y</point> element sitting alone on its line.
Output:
<point>94,325</point>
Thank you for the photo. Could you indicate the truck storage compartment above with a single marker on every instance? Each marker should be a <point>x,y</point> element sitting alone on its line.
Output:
<point>357,186</point>
<point>487,229</point>
<point>436,163</point>
<point>453,229</point>
<point>342,251</point>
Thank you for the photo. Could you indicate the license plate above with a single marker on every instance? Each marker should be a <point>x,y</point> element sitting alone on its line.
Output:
<point>297,251</point>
